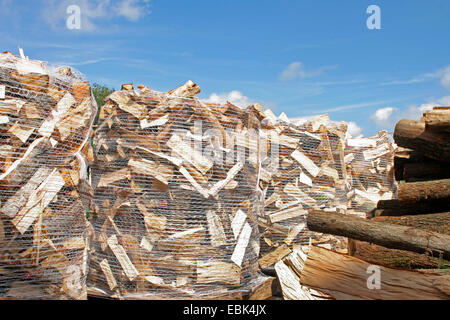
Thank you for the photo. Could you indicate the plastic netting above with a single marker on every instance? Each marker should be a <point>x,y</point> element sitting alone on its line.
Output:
<point>370,167</point>
<point>176,199</point>
<point>315,165</point>
<point>46,116</point>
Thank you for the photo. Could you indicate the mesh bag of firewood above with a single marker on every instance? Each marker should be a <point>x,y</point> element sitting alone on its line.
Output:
<point>304,170</point>
<point>370,168</point>
<point>46,116</point>
<point>176,197</point>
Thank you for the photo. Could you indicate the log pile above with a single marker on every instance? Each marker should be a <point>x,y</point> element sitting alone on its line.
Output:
<point>423,164</point>
<point>176,200</point>
<point>315,165</point>
<point>422,167</point>
<point>46,116</point>
<point>316,273</point>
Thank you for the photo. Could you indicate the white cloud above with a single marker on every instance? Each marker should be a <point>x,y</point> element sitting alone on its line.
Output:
<point>387,117</point>
<point>415,112</point>
<point>131,9</point>
<point>382,117</point>
<point>235,97</point>
<point>445,77</point>
<point>442,74</point>
<point>444,101</point>
<point>297,70</point>
<point>54,12</point>
<point>355,106</point>
<point>353,129</point>
<point>417,79</point>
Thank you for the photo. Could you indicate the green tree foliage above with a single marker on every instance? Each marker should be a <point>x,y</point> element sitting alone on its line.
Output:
<point>100,93</point>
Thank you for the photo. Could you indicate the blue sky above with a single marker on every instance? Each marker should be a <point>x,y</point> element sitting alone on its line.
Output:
<point>299,57</point>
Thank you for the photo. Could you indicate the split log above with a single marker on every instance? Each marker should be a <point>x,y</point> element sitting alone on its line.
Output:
<point>384,234</point>
<point>412,134</point>
<point>267,289</point>
<point>46,117</point>
<point>346,276</point>
<point>288,271</point>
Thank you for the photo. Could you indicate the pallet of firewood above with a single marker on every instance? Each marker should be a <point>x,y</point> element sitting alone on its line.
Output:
<point>304,169</point>
<point>317,164</point>
<point>46,116</point>
<point>370,172</point>
<point>176,199</point>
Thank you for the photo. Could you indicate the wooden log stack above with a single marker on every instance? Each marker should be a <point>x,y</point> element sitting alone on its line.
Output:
<point>176,200</point>
<point>422,167</point>
<point>46,116</point>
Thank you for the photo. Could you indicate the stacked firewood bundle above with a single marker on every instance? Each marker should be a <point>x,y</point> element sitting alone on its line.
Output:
<point>317,165</point>
<point>422,167</point>
<point>176,197</point>
<point>370,172</point>
<point>303,169</point>
<point>46,116</point>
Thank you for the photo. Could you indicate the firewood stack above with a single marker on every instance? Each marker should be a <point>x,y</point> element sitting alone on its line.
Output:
<point>46,116</point>
<point>176,197</point>
<point>304,169</point>
<point>317,165</point>
<point>370,172</point>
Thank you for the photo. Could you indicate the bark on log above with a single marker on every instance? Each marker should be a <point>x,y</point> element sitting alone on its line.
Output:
<point>396,208</point>
<point>438,222</point>
<point>412,134</point>
<point>394,258</point>
<point>399,258</point>
<point>384,234</point>
<point>424,191</point>
<point>426,171</point>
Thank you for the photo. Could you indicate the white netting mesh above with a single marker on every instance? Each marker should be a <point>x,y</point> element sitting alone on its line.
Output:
<point>46,115</point>
<point>370,167</point>
<point>310,166</point>
<point>176,198</point>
